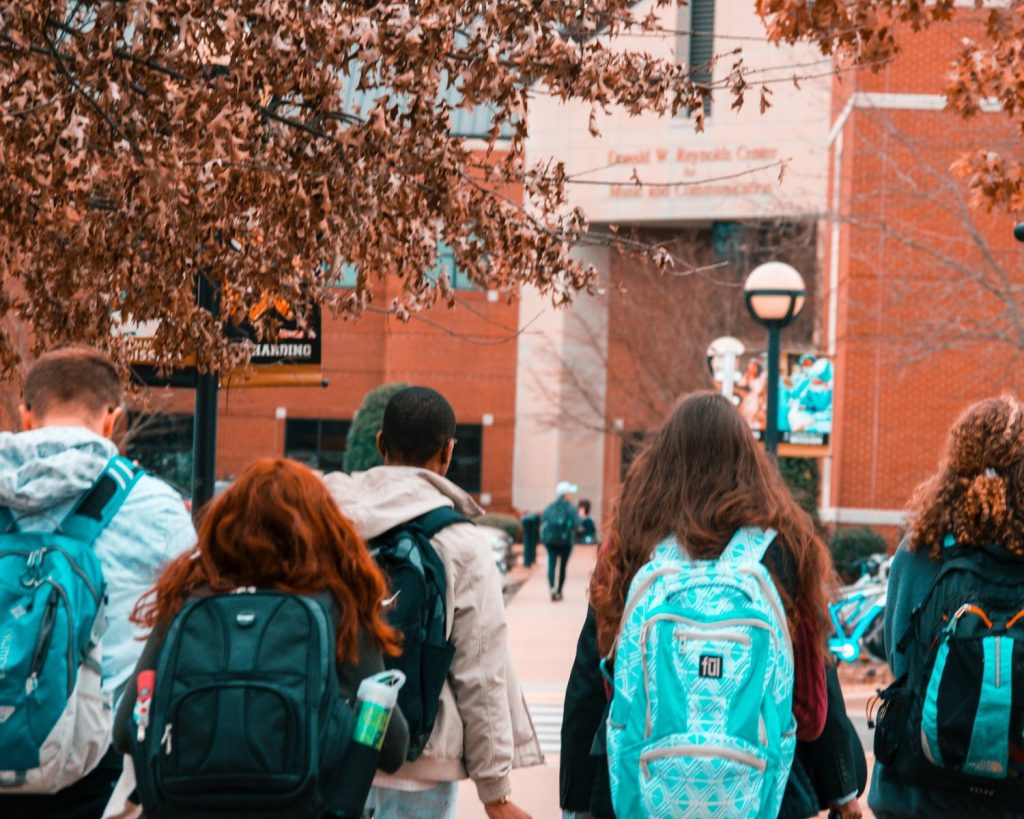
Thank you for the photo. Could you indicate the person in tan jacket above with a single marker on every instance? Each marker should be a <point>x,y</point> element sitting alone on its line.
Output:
<point>483,728</point>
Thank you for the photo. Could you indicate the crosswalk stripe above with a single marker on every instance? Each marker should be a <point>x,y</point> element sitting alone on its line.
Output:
<point>547,720</point>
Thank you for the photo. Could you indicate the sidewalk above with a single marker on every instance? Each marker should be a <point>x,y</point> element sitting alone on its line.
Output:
<point>542,640</point>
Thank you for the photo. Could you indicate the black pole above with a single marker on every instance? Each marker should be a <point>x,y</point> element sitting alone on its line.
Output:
<point>204,439</point>
<point>771,423</point>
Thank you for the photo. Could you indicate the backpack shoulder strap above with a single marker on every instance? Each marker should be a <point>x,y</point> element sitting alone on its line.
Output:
<point>748,545</point>
<point>434,521</point>
<point>98,506</point>
<point>8,523</point>
<point>955,559</point>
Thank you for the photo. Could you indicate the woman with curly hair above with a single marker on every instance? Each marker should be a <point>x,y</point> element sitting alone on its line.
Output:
<point>700,480</point>
<point>971,512</point>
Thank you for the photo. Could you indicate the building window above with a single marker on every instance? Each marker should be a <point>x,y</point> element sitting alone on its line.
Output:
<point>467,462</point>
<point>161,442</point>
<point>348,275</point>
<point>695,46</point>
<point>317,442</point>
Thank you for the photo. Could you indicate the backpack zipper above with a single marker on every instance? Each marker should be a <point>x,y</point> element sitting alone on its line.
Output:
<point>703,751</point>
<point>42,643</point>
<point>999,664</point>
<point>72,665</point>
<point>749,622</point>
<point>165,740</point>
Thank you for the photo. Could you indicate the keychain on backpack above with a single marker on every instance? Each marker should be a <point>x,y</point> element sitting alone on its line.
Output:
<point>144,697</point>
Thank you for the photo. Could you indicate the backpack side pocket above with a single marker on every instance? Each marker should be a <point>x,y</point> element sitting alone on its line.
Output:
<point>890,720</point>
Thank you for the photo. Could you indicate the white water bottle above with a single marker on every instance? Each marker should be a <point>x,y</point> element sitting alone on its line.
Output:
<point>377,697</point>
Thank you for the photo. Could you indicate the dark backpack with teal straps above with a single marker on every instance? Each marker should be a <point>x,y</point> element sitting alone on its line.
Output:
<point>418,583</point>
<point>54,719</point>
<point>247,717</point>
<point>955,720</point>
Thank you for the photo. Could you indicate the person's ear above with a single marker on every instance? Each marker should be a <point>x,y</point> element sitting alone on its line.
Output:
<point>380,445</point>
<point>28,420</point>
<point>110,421</point>
<point>446,456</point>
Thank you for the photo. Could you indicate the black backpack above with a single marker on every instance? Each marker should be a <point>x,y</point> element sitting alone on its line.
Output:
<point>247,718</point>
<point>955,720</point>
<point>417,579</point>
<point>557,523</point>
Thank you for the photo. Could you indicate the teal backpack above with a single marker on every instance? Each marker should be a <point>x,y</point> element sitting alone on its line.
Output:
<point>701,721</point>
<point>55,721</point>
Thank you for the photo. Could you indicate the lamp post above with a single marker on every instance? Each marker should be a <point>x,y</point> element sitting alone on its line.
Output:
<point>1018,231</point>
<point>774,293</point>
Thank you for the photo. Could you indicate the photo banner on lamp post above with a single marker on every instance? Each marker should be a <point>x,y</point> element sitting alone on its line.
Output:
<point>806,383</point>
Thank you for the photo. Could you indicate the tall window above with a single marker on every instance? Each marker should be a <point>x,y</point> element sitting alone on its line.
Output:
<point>162,443</point>
<point>467,462</point>
<point>316,442</point>
<point>696,47</point>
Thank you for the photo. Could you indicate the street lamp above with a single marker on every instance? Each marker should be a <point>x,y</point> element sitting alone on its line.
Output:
<point>774,293</point>
<point>1018,231</point>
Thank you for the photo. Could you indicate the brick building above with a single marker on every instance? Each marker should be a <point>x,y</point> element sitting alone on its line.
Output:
<point>921,304</point>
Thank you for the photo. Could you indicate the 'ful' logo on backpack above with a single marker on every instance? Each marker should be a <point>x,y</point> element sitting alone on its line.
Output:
<point>711,666</point>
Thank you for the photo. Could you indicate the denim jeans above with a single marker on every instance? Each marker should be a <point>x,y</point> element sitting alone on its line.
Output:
<point>437,803</point>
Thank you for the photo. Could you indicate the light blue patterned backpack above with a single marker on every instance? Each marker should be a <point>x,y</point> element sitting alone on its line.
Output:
<point>701,721</point>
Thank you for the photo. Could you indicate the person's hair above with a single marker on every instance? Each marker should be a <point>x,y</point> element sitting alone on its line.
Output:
<point>277,527</point>
<point>76,378</point>
<point>585,506</point>
<point>978,493</point>
<point>701,478</point>
<point>418,423</point>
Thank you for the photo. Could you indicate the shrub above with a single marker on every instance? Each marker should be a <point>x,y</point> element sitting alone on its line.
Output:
<point>361,444</point>
<point>507,523</point>
<point>850,547</point>
<point>804,481</point>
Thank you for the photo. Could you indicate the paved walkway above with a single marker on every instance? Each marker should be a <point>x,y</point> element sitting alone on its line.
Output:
<point>542,640</point>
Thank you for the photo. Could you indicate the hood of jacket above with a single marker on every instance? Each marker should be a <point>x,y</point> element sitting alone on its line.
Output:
<point>45,467</point>
<point>384,497</point>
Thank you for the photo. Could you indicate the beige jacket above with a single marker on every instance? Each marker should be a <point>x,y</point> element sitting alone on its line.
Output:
<point>483,727</point>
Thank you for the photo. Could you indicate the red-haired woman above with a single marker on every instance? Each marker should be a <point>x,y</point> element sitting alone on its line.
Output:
<point>277,528</point>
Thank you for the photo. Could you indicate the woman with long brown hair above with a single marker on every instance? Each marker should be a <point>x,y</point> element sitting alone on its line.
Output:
<point>700,480</point>
<point>277,528</point>
<point>950,741</point>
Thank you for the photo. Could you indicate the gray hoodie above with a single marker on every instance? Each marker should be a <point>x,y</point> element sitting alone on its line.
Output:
<point>483,727</point>
<point>44,471</point>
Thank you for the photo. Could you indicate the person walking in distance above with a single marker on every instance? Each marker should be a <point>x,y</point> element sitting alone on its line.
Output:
<point>557,531</point>
<point>104,531</point>
<point>476,722</point>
